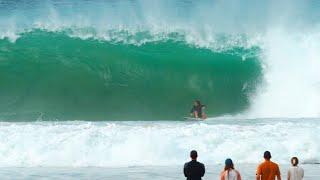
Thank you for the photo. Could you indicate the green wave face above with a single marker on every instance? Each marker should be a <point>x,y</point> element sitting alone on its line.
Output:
<point>54,76</point>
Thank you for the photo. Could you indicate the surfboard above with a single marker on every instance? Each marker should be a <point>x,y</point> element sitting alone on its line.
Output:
<point>192,119</point>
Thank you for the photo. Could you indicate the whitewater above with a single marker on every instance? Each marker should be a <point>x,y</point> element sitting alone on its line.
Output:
<point>152,149</point>
<point>98,90</point>
<point>121,144</point>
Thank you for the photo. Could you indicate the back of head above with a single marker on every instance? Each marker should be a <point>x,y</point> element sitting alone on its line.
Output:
<point>294,161</point>
<point>267,155</point>
<point>193,154</point>
<point>228,164</point>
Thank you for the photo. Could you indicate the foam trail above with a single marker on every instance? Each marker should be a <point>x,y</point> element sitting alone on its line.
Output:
<point>81,144</point>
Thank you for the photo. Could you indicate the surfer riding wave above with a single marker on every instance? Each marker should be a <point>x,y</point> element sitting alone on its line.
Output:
<point>197,110</point>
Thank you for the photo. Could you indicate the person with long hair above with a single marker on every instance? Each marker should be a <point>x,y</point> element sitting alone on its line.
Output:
<point>229,173</point>
<point>295,172</point>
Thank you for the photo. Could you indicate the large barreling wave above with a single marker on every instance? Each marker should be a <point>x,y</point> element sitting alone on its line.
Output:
<point>148,60</point>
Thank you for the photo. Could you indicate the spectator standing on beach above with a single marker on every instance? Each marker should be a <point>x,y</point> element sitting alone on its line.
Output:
<point>229,173</point>
<point>268,170</point>
<point>295,172</point>
<point>193,170</point>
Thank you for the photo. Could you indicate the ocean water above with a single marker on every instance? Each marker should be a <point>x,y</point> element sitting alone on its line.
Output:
<point>101,80</point>
<point>98,89</point>
<point>147,60</point>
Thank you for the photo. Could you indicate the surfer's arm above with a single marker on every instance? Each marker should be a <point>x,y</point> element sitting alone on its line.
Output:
<point>204,116</point>
<point>192,112</point>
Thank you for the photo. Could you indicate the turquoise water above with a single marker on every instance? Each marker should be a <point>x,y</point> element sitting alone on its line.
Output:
<point>148,60</point>
<point>50,75</point>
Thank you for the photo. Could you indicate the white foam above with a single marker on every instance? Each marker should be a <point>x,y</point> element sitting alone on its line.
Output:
<point>98,20</point>
<point>291,76</point>
<point>118,144</point>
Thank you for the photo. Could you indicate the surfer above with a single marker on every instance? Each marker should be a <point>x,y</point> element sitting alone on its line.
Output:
<point>197,110</point>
